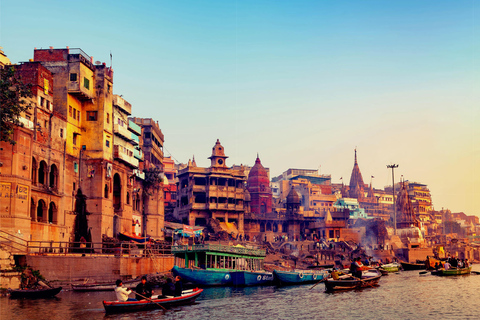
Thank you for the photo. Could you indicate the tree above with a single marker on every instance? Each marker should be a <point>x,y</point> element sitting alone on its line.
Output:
<point>13,101</point>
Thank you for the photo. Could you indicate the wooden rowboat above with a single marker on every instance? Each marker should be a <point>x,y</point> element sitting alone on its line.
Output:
<point>346,282</point>
<point>156,302</point>
<point>35,293</point>
<point>413,266</point>
<point>452,271</point>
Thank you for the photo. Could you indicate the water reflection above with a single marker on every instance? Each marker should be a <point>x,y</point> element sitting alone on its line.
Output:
<point>407,295</point>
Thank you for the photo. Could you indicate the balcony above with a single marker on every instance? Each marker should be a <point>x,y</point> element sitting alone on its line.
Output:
<point>122,131</point>
<point>78,90</point>
<point>125,155</point>
<point>135,128</point>
<point>121,103</point>
<point>138,154</point>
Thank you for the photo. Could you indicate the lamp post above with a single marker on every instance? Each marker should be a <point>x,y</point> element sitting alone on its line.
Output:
<point>393,166</point>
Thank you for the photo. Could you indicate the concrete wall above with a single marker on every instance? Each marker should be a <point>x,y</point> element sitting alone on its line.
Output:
<point>97,268</point>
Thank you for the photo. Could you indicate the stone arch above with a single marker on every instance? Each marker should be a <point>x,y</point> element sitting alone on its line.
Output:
<point>275,227</point>
<point>52,213</point>
<point>117,192</point>
<point>285,227</point>
<point>53,181</point>
<point>43,173</point>
<point>34,171</point>
<point>41,210</point>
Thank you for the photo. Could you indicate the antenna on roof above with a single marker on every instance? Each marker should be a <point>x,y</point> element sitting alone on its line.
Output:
<point>111,59</point>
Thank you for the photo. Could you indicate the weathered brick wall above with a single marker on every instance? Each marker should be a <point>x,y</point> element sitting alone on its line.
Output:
<point>99,268</point>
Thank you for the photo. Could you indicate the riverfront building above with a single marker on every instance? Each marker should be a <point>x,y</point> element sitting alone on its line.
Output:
<point>76,139</point>
<point>216,192</point>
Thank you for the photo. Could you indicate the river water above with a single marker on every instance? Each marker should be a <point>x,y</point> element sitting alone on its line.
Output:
<point>403,295</point>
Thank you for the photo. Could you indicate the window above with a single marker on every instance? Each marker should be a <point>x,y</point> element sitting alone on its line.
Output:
<point>61,133</point>
<point>42,101</point>
<point>48,105</point>
<point>91,115</point>
<point>78,115</point>
<point>45,122</point>
<point>70,110</point>
<point>73,77</point>
<point>108,117</point>
<point>86,83</point>
<point>107,143</point>
<point>74,139</point>
<point>74,113</point>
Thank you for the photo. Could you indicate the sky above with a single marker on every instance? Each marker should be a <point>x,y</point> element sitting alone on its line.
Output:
<point>301,83</point>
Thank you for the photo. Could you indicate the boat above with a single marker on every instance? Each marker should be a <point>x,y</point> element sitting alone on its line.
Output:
<point>155,302</point>
<point>35,293</point>
<point>251,278</point>
<point>107,286</point>
<point>390,267</point>
<point>407,266</point>
<point>369,278</point>
<point>128,237</point>
<point>299,276</point>
<point>452,271</point>
<point>216,265</point>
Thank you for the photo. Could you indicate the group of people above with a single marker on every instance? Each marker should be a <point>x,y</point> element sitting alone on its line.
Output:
<point>453,262</point>
<point>144,291</point>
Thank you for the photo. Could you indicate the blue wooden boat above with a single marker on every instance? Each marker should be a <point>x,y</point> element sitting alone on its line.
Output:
<point>155,302</point>
<point>251,278</point>
<point>202,277</point>
<point>215,265</point>
<point>299,276</point>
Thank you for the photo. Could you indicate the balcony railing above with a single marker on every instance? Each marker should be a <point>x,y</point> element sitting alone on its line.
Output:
<point>124,154</point>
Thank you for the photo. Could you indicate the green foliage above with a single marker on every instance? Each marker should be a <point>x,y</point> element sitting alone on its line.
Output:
<point>13,95</point>
<point>153,179</point>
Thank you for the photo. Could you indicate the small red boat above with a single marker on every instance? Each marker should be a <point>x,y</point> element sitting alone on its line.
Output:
<point>156,302</point>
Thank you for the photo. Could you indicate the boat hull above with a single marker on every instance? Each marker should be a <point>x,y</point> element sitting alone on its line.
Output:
<point>298,277</point>
<point>335,285</point>
<point>452,272</point>
<point>103,287</point>
<point>413,266</point>
<point>188,297</point>
<point>251,278</point>
<point>35,294</point>
<point>203,277</point>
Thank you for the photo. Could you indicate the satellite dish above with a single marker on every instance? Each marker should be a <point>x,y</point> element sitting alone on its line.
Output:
<point>98,62</point>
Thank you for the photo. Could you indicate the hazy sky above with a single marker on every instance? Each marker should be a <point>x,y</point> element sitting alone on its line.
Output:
<point>303,83</point>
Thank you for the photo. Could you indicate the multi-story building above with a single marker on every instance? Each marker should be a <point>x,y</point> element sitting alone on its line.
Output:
<point>214,192</point>
<point>3,59</point>
<point>169,186</point>
<point>151,142</point>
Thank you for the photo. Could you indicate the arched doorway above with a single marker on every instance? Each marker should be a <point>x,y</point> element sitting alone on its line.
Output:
<point>33,210</point>
<point>34,171</point>
<point>41,210</point>
<point>262,227</point>
<point>52,213</point>
<point>117,192</point>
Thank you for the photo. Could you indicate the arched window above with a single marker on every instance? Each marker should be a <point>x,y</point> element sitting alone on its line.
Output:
<point>269,226</point>
<point>105,191</point>
<point>263,208</point>
<point>52,213</point>
<point>262,227</point>
<point>34,171</point>
<point>53,177</point>
<point>43,173</point>
<point>41,210</point>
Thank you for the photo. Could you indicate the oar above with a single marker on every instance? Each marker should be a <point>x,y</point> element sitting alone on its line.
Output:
<point>423,272</point>
<point>318,283</point>
<point>151,301</point>
<point>475,272</point>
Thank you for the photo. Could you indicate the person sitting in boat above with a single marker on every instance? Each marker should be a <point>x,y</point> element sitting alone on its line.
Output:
<point>447,265</point>
<point>144,289</point>
<point>122,293</point>
<point>466,264</point>
<point>178,286</point>
<point>168,288</point>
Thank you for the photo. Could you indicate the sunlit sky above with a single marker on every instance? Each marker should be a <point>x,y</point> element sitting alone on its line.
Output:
<point>303,83</point>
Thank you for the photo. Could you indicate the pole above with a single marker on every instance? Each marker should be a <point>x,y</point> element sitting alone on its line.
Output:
<point>393,166</point>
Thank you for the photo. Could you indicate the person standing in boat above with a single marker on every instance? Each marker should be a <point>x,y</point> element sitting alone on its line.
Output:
<point>122,293</point>
<point>144,289</point>
<point>358,268</point>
